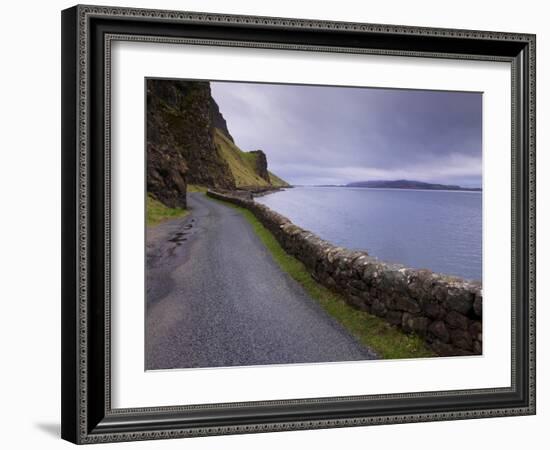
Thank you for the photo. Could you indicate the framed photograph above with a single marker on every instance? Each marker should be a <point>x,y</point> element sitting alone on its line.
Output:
<point>278,224</point>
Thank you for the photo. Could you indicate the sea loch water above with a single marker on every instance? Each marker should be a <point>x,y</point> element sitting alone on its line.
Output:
<point>436,230</point>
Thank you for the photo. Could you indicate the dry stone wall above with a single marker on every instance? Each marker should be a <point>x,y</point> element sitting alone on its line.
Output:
<point>446,311</point>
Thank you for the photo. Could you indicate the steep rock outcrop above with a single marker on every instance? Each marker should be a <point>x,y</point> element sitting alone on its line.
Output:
<point>166,165</point>
<point>261,164</point>
<point>166,175</point>
<point>180,146</point>
<point>218,121</point>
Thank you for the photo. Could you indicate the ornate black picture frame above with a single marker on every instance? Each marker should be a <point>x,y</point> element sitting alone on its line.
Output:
<point>87,34</point>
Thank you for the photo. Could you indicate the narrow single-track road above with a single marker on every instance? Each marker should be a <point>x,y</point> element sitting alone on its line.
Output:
<point>215,297</point>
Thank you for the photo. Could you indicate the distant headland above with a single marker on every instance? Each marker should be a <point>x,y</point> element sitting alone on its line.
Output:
<point>408,184</point>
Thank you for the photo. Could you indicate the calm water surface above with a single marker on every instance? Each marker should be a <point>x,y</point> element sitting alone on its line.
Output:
<point>436,230</point>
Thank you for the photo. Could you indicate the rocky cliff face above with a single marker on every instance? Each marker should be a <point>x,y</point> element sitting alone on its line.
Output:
<point>180,145</point>
<point>261,164</point>
<point>218,121</point>
<point>188,141</point>
<point>166,165</point>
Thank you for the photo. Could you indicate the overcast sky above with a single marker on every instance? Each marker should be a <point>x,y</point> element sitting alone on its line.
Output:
<point>336,135</point>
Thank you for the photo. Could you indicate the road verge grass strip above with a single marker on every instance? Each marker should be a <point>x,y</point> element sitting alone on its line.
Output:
<point>157,212</point>
<point>386,340</point>
<point>196,188</point>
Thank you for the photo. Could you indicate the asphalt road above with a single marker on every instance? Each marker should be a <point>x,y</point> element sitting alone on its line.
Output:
<point>215,297</point>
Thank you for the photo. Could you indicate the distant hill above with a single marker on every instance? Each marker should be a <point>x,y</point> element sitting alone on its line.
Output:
<point>408,184</point>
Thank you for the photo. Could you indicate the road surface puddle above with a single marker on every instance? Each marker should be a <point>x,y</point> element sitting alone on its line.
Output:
<point>179,237</point>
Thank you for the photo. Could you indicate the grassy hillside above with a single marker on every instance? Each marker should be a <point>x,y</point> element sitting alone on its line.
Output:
<point>157,212</point>
<point>276,181</point>
<point>242,164</point>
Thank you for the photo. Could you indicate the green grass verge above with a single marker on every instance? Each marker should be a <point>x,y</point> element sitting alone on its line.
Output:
<point>386,340</point>
<point>157,212</point>
<point>196,188</point>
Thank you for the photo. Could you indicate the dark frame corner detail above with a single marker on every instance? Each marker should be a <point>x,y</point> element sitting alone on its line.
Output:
<point>87,34</point>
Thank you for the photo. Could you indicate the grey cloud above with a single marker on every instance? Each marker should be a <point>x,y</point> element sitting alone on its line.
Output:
<point>326,135</point>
